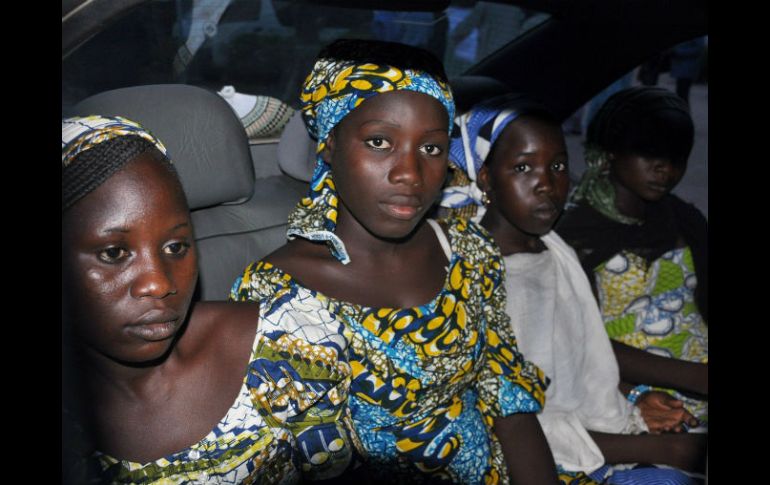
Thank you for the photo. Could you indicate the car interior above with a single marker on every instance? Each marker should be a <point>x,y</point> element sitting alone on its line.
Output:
<point>241,188</point>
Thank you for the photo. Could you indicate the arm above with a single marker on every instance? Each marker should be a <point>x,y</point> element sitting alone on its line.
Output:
<point>525,449</point>
<point>643,367</point>
<point>683,451</point>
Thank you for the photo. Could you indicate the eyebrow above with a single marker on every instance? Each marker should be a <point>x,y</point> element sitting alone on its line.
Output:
<point>125,230</point>
<point>390,123</point>
<point>517,154</point>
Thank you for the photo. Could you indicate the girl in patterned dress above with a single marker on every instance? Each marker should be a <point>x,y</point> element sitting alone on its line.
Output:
<point>644,249</point>
<point>513,148</point>
<point>174,391</point>
<point>438,391</point>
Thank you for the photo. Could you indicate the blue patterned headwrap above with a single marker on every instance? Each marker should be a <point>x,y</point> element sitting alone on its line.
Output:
<point>472,138</point>
<point>333,89</point>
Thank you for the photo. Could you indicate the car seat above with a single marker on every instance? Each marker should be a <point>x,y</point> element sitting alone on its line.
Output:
<point>238,196</point>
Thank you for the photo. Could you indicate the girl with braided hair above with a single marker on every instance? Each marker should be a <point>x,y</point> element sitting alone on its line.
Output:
<point>644,249</point>
<point>439,392</point>
<point>176,391</point>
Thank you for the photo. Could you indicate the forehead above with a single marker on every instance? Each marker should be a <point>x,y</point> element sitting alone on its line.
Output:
<point>530,131</point>
<point>394,105</point>
<point>141,191</point>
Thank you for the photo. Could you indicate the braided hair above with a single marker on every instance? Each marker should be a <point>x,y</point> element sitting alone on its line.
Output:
<point>94,148</point>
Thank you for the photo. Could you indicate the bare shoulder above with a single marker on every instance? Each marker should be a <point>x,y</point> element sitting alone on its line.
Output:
<point>298,256</point>
<point>221,324</point>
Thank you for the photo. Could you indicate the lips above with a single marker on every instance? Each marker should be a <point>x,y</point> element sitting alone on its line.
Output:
<point>662,188</point>
<point>403,207</point>
<point>545,210</point>
<point>155,325</point>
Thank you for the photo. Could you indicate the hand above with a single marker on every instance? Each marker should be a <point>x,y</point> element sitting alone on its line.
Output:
<point>664,413</point>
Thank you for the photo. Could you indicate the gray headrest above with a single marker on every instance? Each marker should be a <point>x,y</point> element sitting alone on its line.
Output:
<point>296,150</point>
<point>205,139</point>
<point>469,90</point>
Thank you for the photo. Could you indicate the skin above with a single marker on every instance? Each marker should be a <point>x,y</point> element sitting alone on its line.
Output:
<point>640,179</point>
<point>527,170</point>
<point>159,372</point>
<point>527,181</point>
<point>389,159</point>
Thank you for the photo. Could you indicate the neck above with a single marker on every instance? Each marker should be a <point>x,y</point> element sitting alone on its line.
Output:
<point>362,245</point>
<point>105,376</point>
<point>628,203</point>
<point>510,239</point>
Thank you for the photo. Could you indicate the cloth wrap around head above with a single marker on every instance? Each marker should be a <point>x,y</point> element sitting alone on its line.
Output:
<point>333,89</point>
<point>474,134</point>
<point>622,108</point>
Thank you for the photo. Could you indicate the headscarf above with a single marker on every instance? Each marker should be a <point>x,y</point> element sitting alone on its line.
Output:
<point>618,113</point>
<point>475,132</point>
<point>334,88</point>
<point>80,134</point>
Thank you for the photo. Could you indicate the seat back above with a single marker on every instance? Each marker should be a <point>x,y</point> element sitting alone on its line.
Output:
<point>237,217</point>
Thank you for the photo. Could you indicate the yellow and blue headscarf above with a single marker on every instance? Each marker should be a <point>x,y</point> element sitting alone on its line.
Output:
<point>333,89</point>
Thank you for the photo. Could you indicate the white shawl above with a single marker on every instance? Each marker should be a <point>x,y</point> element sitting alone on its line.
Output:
<point>558,327</point>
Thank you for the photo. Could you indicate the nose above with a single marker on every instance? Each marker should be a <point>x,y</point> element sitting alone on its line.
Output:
<point>153,280</point>
<point>663,165</point>
<point>407,170</point>
<point>544,182</point>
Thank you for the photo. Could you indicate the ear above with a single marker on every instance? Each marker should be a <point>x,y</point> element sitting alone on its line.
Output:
<point>328,149</point>
<point>483,179</point>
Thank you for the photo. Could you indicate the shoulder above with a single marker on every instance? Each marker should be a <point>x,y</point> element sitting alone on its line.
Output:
<point>476,249</point>
<point>278,270</point>
<point>222,325</point>
<point>686,211</point>
<point>581,216</point>
<point>469,238</point>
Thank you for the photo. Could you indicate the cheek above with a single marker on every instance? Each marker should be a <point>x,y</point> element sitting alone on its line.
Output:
<point>188,273</point>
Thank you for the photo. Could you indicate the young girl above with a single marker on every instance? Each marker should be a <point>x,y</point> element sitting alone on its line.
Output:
<point>174,391</point>
<point>644,249</point>
<point>439,390</point>
<point>516,151</point>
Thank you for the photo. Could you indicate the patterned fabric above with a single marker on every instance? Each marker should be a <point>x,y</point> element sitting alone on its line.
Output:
<point>643,475</point>
<point>652,307</point>
<point>332,90</point>
<point>289,419</point>
<point>78,134</point>
<point>472,138</point>
<point>427,381</point>
<point>595,187</point>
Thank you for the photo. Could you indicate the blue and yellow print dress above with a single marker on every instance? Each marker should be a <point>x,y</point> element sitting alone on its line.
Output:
<point>427,381</point>
<point>289,421</point>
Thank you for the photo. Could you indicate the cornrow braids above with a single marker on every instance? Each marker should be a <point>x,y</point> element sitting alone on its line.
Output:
<point>92,167</point>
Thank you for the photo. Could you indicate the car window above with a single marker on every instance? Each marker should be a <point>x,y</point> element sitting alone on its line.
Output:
<point>267,47</point>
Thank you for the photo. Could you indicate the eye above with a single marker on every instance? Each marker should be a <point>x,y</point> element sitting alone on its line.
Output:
<point>522,168</point>
<point>178,248</point>
<point>432,150</point>
<point>559,166</point>
<point>112,255</point>
<point>378,143</point>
